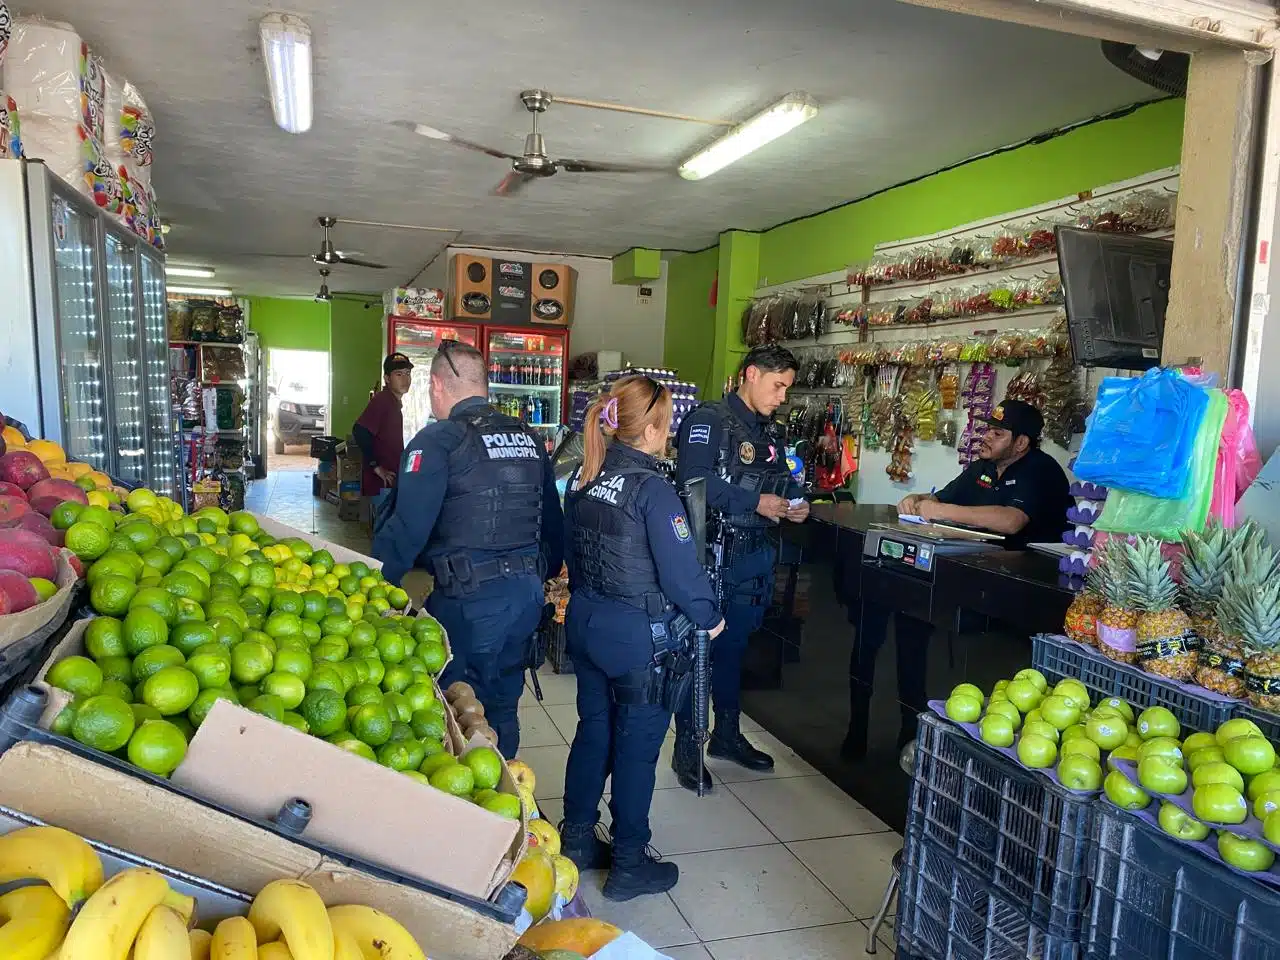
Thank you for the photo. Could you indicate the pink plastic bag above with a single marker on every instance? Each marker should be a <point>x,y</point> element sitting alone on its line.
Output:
<point>1238,460</point>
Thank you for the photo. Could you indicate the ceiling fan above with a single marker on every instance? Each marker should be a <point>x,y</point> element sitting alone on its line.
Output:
<point>324,296</point>
<point>328,256</point>
<point>535,163</point>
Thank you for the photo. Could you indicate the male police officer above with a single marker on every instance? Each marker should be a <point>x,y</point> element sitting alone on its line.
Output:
<point>736,445</point>
<point>476,504</point>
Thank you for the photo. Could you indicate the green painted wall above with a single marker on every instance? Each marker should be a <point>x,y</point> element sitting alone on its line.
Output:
<point>690,338</point>
<point>356,359</point>
<point>289,324</point>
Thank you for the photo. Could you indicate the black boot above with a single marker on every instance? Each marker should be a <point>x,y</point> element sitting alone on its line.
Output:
<point>684,761</point>
<point>728,743</point>
<point>638,876</point>
<point>583,845</point>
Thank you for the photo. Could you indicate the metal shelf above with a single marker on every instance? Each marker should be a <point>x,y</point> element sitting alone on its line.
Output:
<point>540,387</point>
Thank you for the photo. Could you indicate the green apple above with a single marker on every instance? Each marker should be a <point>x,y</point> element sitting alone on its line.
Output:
<point>1158,722</point>
<point>1243,853</point>
<point>1005,709</point>
<point>1000,685</point>
<point>1036,751</point>
<point>1079,747</point>
<point>1198,740</point>
<point>997,730</point>
<point>1203,756</point>
<point>963,708</point>
<point>1078,772</point>
<point>1123,752</point>
<point>1271,828</point>
<point>1033,715</point>
<point>1178,823</point>
<point>1264,782</point>
<point>1159,775</point>
<point>1073,732</point>
<point>1266,804</point>
<point>1218,773</point>
<point>1040,728</point>
<point>1133,739</point>
<point>1035,676</point>
<point>1024,694</point>
<point>1125,795</point>
<point>1074,692</point>
<point>1119,705</point>
<point>1236,727</point>
<point>998,695</point>
<point>1059,711</point>
<point>968,690</point>
<point>1219,803</point>
<point>1107,731</point>
<point>1250,755</point>
<point>1166,747</point>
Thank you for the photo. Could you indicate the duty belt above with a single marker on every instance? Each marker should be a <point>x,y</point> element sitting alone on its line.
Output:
<point>457,575</point>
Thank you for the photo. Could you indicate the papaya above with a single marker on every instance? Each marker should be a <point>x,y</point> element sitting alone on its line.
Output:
<point>583,936</point>
<point>536,871</point>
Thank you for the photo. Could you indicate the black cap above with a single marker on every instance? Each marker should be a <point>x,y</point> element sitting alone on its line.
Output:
<point>1018,417</point>
<point>396,361</point>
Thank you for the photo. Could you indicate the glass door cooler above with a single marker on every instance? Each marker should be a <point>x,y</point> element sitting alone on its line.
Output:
<point>419,340</point>
<point>527,375</point>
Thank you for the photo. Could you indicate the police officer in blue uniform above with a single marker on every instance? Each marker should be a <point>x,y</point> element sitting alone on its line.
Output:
<point>738,447</point>
<point>638,593</point>
<point>476,505</point>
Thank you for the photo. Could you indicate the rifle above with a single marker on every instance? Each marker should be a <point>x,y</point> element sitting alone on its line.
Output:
<point>711,555</point>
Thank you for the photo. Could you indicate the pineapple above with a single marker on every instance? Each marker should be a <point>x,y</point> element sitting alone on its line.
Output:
<point>1081,620</point>
<point>1250,610</point>
<point>1118,621</point>
<point>1205,560</point>
<point>1165,640</point>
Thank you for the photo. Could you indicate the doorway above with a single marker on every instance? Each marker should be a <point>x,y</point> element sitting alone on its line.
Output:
<point>297,406</point>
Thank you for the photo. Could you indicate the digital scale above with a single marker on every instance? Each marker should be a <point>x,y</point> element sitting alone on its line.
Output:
<point>913,548</point>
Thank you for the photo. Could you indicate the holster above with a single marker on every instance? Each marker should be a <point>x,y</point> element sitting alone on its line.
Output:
<point>666,679</point>
<point>540,640</point>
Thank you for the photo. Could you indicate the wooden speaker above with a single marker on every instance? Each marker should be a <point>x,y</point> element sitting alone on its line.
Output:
<point>553,291</point>
<point>471,288</point>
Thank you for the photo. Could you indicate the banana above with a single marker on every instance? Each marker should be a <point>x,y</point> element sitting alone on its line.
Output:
<point>274,951</point>
<point>345,946</point>
<point>56,856</point>
<point>291,911</point>
<point>377,935</point>
<point>234,939</point>
<point>201,944</point>
<point>109,921</point>
<point>33,921</point>
<point>163,936</point>
<point>181,904</point>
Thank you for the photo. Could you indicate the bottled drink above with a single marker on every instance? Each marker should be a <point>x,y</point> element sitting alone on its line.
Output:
<point>526,370</point>
<point>535,414</point>
<point>494,370</point>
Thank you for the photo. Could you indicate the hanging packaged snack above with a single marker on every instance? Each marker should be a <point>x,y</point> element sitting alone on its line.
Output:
<point>230,325</point>
<point>755,322</point>
<point>1027,387</point>
<point>947,430</point>
<point>179,319</point>
<point>949,386</point>
<point>1005,346</point>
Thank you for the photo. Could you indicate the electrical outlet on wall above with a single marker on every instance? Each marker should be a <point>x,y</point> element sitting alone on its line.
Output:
<point>643,294</point>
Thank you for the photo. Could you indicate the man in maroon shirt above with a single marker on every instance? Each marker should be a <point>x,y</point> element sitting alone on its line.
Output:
<point>379,433</point>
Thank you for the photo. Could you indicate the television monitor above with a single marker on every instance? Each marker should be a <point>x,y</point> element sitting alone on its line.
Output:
<point>1117,291</point>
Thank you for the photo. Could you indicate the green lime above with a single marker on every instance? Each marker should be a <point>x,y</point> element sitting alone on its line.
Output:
<point>262,574</point>
<point>245,692</point>
<point>486,766</point>
<point>283,623</point>
<point>349,585</point>
<point>453,778</point>
<point>116,668</point>
<point>189,611</point>
<point>253,607</point>
<point>359,569</point>
<point>352,745</point>
<point>297,662</point>
<point>431,747</point>
<point>250,661</point>
<point>324,711</point>
<point>311,631</point>
<point>65,514</point>
<point>337,607</point>
<point>110,594</point>
<point>427,725</point>
<point>104,637</point>
<point>190,635</point>
<point>238,571</point>
<point>104,723</point>
<point>397,678</point>
<point>504,805</point>
<point>65,720</point>
<point>420,695</point>
<point>197,571</point>
<point>395,755</point>
<point>184,725</point>
<point>401,731</point>
<point>115,563</point>
<point>331,650</point>
<point>205,557</point>
<point>154,659</point>
<point>326,677</point>
<point>205,700</point>
<point>183,583</point>
<point>433,655</point>
<point>376,670</point>
<point>171,690</point>
<point>99,515</point>
<point>417,752</point>
<point>117,688</point>
<point>334,625</point>
<point>157,747</point>
<point>416,665</point>
<point>297,721</point>
<point>399,706</point>
<point>143,713</point>
<point>391,646</point>
<point>157,599</point>
<point>289,643</point>
<point>363,635</point>
<point>371,724</point>
<point>322,559</point>
<point>268,705</point>
<point>415,775</point>
<point>87,540</point>
<point>174,547</point>
<point>157,560</point>
<point>211,663</point>
<point>427,628</point>
<point>288,687</point>
<point>398,597</point>
<point>141,533</point>
<point>242,521</point>
<point>230,610</point>
<point>363,693</point>
<point>314,607</point>
<point>257,636</point>
<point>223,585</point>
<point>286,601</point>
<point>143,628</point>
<point>226,631</point>
<point>299,548</point>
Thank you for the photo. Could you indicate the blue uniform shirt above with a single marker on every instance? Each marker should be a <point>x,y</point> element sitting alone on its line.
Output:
<point>420,488</point>
<point>680,572</point>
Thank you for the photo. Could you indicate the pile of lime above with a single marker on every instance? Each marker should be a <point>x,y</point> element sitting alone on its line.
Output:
<point>196,609</point>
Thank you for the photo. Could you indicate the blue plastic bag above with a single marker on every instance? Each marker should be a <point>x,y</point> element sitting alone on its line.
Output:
<point>1142,434</point>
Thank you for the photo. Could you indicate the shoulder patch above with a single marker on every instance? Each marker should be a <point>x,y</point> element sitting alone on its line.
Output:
<point>413,461</point>
<point>681,527</point>
<point>700,433</point>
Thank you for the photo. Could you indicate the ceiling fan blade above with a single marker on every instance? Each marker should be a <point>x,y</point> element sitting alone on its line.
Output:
<point>593,166</point>
<point>431,133</point>
<point>357,262</point>
<point>513,183</point>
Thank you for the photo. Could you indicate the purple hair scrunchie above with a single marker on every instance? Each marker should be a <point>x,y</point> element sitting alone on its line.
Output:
<point>609,415</point>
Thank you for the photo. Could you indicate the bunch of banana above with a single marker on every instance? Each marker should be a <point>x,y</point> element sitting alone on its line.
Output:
<point>134,910</point>
<point>66,863</point>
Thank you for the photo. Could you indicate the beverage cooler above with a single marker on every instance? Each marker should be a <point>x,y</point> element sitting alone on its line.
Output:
<point>86,362</point>
<point>419,340</point>
<point>527,368</point>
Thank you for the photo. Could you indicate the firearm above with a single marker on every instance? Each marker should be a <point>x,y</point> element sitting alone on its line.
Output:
<point>711,554</point>
<point>536,647</point>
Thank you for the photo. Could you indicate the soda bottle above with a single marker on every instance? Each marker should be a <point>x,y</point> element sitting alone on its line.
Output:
<point>535,415</point>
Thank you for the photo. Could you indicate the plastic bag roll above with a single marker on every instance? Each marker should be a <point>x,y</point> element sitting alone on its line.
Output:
<point>50,72</point>
<point>130,130</point>
<point>6,29</point>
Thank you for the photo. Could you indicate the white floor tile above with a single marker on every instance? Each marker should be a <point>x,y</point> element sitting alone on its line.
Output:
<point>565,717</point>
<point>537,729</point>
<point>804,808</point>
<point>733,893</point>
<point>855,869</point>
<point>653,919</point>
<point>682,822</point>
<point>548,765</point>
<point>695,951</point>
<point>840,941</point>
<point>786,762</point>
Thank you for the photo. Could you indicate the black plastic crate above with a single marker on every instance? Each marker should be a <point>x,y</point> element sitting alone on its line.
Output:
<point>1019,831</point>
<point>1058,657</point>
<point>1268,723</point>
<point>19,721</point>
<point>947,911</point>
<point>1155,898</point>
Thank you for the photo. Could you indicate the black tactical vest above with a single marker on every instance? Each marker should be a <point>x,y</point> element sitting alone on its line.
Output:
<point>743,461</point>
<point>493,500</point>
<point>611,552</point>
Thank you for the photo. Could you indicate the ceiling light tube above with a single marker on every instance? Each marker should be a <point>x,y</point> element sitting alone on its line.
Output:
<point>196,273</point>
<point>286,53</point>
<point>765,127</point>
<point>200,291</point>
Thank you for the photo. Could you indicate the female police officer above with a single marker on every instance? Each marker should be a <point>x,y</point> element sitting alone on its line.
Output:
<point>638,591</point>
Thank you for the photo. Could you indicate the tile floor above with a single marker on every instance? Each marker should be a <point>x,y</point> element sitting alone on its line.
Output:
<point>771,865</point>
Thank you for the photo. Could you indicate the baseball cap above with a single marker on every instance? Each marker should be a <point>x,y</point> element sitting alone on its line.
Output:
<point>1018,417</point>
<point>396,361</point>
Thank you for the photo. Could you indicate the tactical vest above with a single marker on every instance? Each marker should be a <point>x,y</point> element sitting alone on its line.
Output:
<point>743,461</point>
<point>611,542</point>
<point>493,501</point>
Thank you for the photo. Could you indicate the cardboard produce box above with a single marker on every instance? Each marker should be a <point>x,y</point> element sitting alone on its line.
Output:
<point>107,806</point>
<point>17,627</point>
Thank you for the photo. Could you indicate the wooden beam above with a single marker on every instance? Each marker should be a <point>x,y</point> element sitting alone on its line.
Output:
<point>1217,146</point>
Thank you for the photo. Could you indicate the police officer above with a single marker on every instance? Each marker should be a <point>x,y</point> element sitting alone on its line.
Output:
<point>736,445</point>
<point>638,592</point>
<point>475,504</point>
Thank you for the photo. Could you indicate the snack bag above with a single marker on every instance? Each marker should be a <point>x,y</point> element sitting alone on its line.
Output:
<point>10,129</point>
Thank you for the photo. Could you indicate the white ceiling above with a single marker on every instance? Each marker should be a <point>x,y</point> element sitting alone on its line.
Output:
<point>903,91</point>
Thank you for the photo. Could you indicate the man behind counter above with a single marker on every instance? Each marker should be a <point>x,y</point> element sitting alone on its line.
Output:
<point>1014,488</point>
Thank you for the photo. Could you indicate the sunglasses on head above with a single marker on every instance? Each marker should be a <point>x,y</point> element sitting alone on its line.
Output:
<point>444,350</point>
<point>657,392</point>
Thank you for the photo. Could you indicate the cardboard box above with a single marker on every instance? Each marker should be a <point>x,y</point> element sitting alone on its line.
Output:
<point>104,805</point>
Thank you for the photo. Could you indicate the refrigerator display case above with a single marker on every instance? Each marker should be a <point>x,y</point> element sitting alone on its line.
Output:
<point>527,375</point>
<point>419,340</point>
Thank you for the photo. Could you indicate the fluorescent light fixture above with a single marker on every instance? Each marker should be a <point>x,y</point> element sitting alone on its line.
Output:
<point>765,127</point>
<point>196,273</point>
<point>286,52</point>
<point>200,291</point>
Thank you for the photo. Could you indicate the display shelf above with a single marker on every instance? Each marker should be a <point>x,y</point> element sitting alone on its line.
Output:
<point>539,387</point>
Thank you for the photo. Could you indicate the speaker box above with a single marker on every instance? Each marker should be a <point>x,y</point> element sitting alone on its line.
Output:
<point>553,287</point>
<point>471,288</point>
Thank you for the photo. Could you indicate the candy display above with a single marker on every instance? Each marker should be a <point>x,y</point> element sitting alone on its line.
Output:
<point>978,397</point>
<point>788,316</point>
